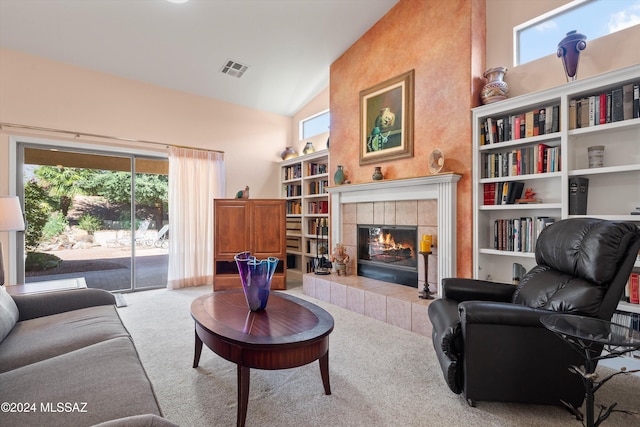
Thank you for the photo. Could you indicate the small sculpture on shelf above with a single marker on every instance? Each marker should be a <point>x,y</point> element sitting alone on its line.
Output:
<point>243,194</point>
<point>340,259</point>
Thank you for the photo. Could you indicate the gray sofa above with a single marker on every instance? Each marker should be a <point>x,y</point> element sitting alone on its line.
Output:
<point>66,359</point>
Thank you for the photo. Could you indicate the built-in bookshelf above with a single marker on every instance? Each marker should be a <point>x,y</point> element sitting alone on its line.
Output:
<point>304,186</point>
<point>522,173</point>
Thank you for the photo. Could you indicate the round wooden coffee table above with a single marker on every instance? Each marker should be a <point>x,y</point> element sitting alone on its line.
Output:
<point>291,332</point>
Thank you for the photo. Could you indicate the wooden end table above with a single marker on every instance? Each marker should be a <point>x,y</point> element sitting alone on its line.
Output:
<point>290,332</point>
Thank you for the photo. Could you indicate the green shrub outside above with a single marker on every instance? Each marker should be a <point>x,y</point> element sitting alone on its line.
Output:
<point>56,225</point>
<point>38,261</point>
<point>36,210</point>
<point>89,223</point>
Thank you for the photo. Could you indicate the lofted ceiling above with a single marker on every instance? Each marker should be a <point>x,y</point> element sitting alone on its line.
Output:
<point>288,45</point>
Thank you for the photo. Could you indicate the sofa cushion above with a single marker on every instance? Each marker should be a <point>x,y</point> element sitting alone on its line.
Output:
<point>8,313</point>
<point>108,377</point>
<point>44,337</point>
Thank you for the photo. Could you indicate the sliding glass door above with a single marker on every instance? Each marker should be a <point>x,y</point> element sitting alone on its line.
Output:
<point>93,214</point>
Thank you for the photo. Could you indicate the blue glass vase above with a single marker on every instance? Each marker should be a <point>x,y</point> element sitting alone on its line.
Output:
<point>256,278</point>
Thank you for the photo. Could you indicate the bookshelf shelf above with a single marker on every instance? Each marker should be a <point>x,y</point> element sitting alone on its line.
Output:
<point>613,190</point>
<point>604,170</point>
<point>312,177</point>
<point>546,175</point>
<point>523,207</point>
<point>507,253</point>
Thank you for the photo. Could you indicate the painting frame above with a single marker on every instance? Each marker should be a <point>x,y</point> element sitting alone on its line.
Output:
<point>386,120</point>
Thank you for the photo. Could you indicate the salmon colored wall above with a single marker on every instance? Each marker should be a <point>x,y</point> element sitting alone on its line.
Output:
<point>444,43</point>
<point>39,92</point>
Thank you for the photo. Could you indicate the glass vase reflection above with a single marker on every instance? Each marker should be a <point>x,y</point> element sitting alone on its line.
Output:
<point>256,278</point>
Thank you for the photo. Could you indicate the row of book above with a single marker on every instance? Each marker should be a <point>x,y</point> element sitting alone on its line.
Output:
<point>318,187</point>
<point>318,226</point>
<point>316,168</point>
<point>320,207</point>
<point>518,234</point>
<point>294,207</point>
<point>502,193</point>
<point>539,158</point>
<point>622,103</point>
<point>292,172</point>
<point>630,320</point>
<point>293,190</point>
<point>541,121</point>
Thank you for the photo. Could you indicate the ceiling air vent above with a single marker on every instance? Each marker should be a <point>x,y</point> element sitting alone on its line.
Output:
<point>233,68</point>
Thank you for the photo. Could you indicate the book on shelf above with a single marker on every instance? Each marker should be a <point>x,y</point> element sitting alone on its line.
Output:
<point>318,226</point>
<point>514,234</point>
<point>578,195</point>
<point>636,101</point>
<point>540,121</point>
<point>316,168</point>
<point>318,187</point>
<point>632,288</point>
<point>621,103</point>
<point>292,172</point>
<point>489,193</point>
<point>515,191</point>
<point>540,158</point>
<point>319,207</point>
<point>293,190</point>
<point>631,321</point>
<point>502,193</point>
<point>294,207</point>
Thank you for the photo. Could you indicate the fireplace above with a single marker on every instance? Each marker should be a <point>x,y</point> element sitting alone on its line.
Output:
<point>396,197</point>
<point>388,253</point>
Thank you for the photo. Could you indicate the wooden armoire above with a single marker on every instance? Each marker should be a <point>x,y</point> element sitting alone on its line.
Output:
<point>254,225</point>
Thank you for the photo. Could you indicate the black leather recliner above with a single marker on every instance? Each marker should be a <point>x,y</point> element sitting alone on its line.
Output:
<point>488,336</point>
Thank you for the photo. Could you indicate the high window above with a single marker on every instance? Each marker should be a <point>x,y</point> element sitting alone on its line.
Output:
<point>539,37</point>
<point>314,125</point>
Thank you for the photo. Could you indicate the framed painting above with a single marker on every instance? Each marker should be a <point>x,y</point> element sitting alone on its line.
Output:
<point>386,120</point>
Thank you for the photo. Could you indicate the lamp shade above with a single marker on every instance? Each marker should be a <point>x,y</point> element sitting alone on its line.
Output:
<point>10,214</point>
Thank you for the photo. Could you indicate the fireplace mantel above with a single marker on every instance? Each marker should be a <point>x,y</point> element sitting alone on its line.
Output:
<point>440,187</point>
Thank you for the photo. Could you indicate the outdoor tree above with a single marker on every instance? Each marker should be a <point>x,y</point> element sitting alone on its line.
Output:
<point>63,183</point>
<point>151,190</point>
<point>36,212</point>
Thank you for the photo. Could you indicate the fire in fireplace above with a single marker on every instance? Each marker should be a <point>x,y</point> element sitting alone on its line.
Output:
<point>388,252</point>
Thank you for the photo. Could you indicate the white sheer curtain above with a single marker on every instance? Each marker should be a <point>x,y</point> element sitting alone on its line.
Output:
<point>196,177</point>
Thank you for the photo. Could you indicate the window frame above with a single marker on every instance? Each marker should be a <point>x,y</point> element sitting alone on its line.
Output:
<point>301,135</point>
<point>538,19</point>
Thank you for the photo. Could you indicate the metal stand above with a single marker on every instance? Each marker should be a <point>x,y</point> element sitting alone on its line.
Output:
<point>323,265</point>
<point>425,293</point>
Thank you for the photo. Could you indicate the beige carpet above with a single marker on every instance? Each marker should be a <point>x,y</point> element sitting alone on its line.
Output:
<point>381,375</point>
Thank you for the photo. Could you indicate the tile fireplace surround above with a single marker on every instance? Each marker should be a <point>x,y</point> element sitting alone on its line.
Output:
<point>413,201</point>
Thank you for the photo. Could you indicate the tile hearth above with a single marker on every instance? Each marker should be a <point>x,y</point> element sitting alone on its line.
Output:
<point>397,305</point>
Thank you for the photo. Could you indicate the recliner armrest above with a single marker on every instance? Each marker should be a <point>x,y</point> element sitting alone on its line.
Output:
<point>31,306</point>
<point>459,289</point>
<point>504,314</point>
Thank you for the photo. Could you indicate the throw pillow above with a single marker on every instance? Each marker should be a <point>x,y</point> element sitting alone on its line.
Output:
<point>8,313</point>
